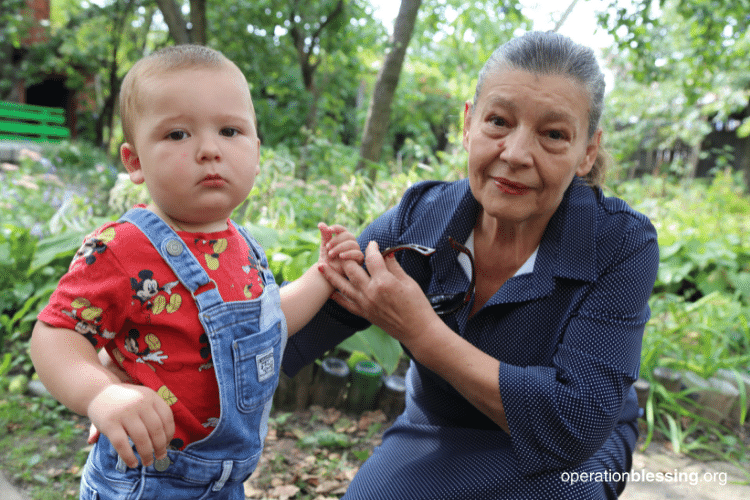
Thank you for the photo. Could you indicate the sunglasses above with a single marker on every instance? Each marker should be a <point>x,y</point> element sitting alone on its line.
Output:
<point>442,304</point>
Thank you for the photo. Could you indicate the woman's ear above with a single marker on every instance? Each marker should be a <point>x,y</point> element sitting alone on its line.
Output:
<point>468,110</point>
<point>592,150</point>
<point>132,164</point>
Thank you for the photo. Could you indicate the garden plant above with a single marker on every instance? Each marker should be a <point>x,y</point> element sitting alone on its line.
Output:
<point>700,304</point>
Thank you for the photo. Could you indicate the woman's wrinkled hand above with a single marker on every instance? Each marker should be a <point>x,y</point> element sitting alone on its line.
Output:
<point>387,296</point>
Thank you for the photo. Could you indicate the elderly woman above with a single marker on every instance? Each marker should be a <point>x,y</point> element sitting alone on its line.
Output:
<point>526,391</point>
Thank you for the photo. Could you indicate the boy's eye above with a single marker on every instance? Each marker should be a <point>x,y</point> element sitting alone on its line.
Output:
<point>229,132</point>
<point>176,135</point>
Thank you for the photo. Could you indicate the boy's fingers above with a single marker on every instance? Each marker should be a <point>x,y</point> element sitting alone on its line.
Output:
<point>120,443</point>
<point>355,255</point>
<point>167,421</point>
<point>141,438</point>
<point>349,247</point>
<point>93,434</point>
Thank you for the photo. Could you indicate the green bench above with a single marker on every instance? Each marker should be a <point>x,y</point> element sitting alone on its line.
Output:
<point>29,123</point>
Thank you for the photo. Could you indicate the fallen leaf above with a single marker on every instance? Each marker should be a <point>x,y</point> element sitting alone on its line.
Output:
<point>340,491</point>
<point>327,486</point>
<point>330,416</point>
<point>284,492</point>
<point>371,417</point>
<point>251,491</point>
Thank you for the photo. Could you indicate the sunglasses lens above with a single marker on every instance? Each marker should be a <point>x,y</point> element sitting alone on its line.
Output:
<point>446,304</point>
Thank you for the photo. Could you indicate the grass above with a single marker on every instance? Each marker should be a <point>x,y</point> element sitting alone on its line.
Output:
<point>42,446</point>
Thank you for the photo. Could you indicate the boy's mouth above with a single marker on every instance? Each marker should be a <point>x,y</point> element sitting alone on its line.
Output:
<point>213,180</point>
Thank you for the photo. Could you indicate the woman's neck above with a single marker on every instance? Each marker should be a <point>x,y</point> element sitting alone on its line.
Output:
<point>512,242</point>
<point>500,249</point>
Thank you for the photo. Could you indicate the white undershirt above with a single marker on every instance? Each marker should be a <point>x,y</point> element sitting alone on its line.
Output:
<point>463,259</point>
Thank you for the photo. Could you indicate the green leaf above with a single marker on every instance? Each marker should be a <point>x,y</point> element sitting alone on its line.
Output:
<point>741,282</point>
<point>5,366</point>
<point>55,247</point>
<point>325,438</point>
<point>267,237</point>
<point>378,345</point>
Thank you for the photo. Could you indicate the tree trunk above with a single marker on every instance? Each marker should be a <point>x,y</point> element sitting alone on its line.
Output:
<point>107,114</point>
<point>379,111</point>
<point>175,22</point>
<point>306,44</point>
<point>564,16</point>
<point>198,20</point>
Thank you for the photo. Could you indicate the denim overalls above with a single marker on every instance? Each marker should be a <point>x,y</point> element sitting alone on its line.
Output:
<point>247,340</point>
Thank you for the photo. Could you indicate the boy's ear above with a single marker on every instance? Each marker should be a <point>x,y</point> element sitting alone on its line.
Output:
<point>132,164</point>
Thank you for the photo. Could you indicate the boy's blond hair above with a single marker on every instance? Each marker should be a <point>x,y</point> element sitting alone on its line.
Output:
<point>168,59</point>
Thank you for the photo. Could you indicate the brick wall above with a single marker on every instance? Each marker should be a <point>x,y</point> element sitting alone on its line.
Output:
<point>39,11</point>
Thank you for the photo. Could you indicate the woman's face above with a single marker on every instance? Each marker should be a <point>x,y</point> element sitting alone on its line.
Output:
<point>527,137</point>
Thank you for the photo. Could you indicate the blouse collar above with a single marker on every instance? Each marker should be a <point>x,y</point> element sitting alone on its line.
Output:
<point>567,249</point>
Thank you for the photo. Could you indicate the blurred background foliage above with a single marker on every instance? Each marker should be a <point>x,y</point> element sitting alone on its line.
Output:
<point>678,73</point>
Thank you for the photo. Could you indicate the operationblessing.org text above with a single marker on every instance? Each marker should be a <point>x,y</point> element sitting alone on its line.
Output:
<point>637,476</point>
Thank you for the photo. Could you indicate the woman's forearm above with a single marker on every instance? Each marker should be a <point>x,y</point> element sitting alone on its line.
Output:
<point>472,372</point>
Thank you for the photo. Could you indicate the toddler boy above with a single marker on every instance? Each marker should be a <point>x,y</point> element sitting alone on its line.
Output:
<point>178,295</point>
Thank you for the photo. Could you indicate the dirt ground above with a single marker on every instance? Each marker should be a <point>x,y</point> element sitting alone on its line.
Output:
<point>314,454</point>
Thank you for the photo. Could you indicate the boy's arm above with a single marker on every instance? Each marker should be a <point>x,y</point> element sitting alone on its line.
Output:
<point>303,298</point>
<point>68,366</point>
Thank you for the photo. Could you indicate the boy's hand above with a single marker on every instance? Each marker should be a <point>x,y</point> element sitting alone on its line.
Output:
<point>336,245</point>
<point>125,410</point>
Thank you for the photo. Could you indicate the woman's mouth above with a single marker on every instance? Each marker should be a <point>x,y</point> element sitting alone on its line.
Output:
<point>213,180</point>
<point>510,187</point>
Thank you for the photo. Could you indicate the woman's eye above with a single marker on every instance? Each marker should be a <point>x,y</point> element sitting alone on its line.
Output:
<point>176,135</point>
<point>229,132</point>
<point>498,121</point>
<point>556,135</point>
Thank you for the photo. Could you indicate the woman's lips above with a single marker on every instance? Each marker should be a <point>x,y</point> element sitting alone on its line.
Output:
<point>510,187</point>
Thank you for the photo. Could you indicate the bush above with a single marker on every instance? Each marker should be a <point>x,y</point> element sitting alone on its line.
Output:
<point>701,301</point>
<point>700,306</point>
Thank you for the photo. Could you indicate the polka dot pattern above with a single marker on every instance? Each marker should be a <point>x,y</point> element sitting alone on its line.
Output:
<point>568,336</point>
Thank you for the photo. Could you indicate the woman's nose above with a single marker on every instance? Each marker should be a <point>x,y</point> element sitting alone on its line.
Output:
<point>516,147</point>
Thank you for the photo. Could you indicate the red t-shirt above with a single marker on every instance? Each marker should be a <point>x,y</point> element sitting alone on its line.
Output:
<point>121,295</point>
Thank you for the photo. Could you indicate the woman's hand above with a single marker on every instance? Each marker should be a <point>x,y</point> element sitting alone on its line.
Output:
<point>387,296</point>
<point>392,300</point>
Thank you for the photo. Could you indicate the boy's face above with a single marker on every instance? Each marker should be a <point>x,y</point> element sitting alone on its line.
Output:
<point>195,145</point>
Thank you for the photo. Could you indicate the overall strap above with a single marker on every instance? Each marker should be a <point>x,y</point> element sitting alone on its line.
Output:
<point>174,252</point>
<point>260,254</point>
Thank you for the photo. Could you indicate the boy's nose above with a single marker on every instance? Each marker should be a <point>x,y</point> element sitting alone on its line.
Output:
<point>208,150</point>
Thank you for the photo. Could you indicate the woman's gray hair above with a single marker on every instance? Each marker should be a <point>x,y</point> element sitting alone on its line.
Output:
<point>550,53</point>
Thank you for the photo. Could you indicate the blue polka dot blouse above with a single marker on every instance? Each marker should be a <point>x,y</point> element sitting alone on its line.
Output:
<point>568,336</point>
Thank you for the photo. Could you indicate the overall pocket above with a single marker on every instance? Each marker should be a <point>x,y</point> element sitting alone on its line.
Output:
<point>257,361</point>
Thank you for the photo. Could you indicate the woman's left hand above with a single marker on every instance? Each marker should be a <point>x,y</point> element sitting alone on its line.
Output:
<point>387,296</point>
<point>392,300</point>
